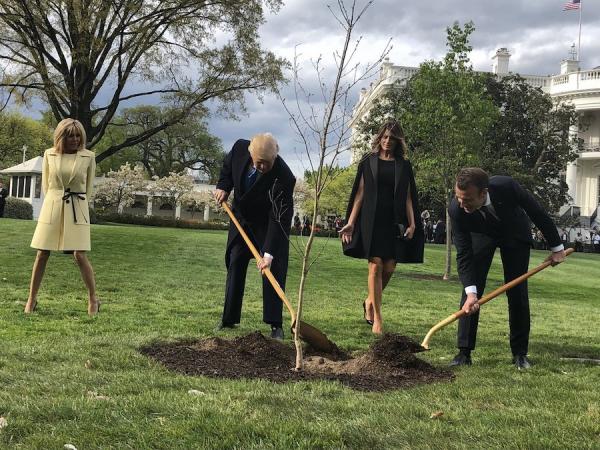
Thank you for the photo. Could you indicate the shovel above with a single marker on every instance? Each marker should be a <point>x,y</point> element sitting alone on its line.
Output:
<point>486,298</point>
<point>313,336</point>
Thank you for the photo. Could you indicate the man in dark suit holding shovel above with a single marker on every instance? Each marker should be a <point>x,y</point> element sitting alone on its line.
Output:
<point>489,213</point>
<point>263,204</point>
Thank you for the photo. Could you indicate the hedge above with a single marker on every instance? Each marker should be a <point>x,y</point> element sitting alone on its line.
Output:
<point>155,221</point>
<point>18,209</point>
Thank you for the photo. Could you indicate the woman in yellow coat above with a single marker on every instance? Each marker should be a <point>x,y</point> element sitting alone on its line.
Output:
<point>64,222</point>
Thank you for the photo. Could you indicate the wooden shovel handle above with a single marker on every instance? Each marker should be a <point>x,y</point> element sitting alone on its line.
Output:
<point>267,272</point>
<point>486,298</point>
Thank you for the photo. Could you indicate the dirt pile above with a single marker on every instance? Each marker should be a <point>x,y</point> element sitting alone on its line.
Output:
<point>389,363</point>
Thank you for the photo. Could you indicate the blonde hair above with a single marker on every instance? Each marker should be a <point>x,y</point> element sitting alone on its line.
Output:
<point>396,132</point>
<point>66,128</point>
<point>264,146</point>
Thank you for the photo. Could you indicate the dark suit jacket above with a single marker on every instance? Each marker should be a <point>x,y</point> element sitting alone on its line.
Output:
<point>3,195</point>
<point>515,207</point>
<point>266,209</point>
<point>363,230</point>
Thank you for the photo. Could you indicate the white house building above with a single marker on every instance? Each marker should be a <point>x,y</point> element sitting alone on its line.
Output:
<point>573,85</point>
<point>26,184</point>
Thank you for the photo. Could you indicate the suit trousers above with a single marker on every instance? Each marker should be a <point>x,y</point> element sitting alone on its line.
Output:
<point>515,262</point>
<point>239,258</point>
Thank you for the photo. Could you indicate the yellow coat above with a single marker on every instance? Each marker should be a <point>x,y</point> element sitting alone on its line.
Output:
<point>64,221</point>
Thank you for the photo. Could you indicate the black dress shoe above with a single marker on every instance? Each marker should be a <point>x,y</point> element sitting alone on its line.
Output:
<point>462,359</point>
<point>277,333</point>
<point>221,325</point>
<point>522,362</point>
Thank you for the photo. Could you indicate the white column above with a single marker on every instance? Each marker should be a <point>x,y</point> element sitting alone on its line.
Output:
<point>10,186</point>
<point>571,180</point>
<point>120,208</point>
<point>178,211</point>
<point>206,212</point>
<point>571,175</point>
<point>149,207</point>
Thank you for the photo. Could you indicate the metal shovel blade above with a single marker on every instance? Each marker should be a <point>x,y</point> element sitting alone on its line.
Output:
<point>315,338</point>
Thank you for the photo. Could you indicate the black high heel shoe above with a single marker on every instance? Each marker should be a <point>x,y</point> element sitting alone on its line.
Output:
<point>370,322</point>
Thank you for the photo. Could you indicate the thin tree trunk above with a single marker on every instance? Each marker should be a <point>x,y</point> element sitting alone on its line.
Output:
<point>448,268</point>
<point>297,341</point>
<point>305,269</point>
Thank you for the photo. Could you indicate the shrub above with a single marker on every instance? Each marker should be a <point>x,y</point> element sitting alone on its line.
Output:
<point>16,208</point>
<point>93,216</point>
<point>319,233</point>
<point>155,221</point>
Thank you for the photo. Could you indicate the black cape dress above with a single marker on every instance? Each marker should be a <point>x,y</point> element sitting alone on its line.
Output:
<point>361,246</point>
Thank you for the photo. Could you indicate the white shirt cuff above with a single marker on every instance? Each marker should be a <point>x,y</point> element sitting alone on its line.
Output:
<point>471,290</point>
<point>267,255</point>
<point>558,248</point>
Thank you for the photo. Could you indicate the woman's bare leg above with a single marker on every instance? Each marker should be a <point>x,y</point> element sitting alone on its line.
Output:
<point>389,266</point>
<point>388,271</point>
<point>37,274</point>
<point>87,273</point>
<point>375,289</point>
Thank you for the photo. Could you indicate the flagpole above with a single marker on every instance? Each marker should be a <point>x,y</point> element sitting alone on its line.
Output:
<point>579,40</point>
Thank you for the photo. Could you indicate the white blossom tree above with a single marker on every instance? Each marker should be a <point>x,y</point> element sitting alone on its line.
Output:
<point>196,201</point>
<point>173,188</point>
<point>118,188</point>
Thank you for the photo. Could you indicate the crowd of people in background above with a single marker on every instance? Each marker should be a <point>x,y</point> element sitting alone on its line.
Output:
<point>589,242</point>
<point>435,230</point>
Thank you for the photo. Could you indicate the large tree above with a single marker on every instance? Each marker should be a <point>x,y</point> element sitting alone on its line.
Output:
<point>530,139</point>
<point>335,195</point>
<point>17,131</point>
<point>185,145</point>
<point>85,58</point>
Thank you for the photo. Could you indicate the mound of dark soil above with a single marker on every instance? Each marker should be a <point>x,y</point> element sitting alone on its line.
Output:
<point>389,363</point>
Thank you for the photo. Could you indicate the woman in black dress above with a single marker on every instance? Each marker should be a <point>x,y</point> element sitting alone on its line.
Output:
<point>380,219</point>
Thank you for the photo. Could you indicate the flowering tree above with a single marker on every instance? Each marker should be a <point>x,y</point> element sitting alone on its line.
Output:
<point>302,194</point>
<point>172,188</point>
<point>197,200</point>
<point>118,188</point>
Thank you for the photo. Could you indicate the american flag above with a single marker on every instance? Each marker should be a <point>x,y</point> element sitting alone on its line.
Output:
<point>573,4</point>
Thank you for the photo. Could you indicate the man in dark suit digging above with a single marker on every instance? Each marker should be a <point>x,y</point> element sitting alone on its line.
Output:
<point>263,204</point>
<point>489,213</point>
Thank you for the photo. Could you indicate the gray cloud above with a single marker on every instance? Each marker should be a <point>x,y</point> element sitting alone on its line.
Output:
<point>537,32</point>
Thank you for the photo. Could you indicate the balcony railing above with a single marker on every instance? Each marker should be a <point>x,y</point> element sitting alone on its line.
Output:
<point>590,148</point>
<point>589,79</point>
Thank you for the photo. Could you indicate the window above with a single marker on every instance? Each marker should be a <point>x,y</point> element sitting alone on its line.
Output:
<point>15,184</point>
<point>38,186</point>
<point>21,189</point>
<point>139,203</point>
<point>28,187</point>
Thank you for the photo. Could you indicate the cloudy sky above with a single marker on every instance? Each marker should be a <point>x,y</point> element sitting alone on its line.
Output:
<point>538,33</point>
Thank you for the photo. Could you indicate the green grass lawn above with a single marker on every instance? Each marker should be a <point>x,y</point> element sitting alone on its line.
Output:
<point>168,284</point>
